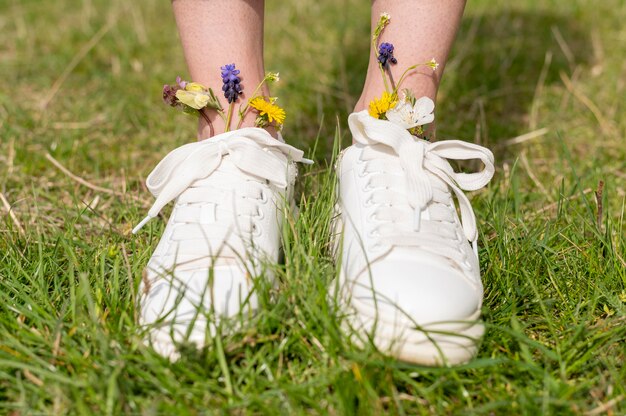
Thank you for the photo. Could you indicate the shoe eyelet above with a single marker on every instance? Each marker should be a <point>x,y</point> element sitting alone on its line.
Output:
<point>369,202</point>
<point>363,172</point>
<point>264,198</point>
<point>260,214</point>
<point>372,217</point>
<point>256,230</point>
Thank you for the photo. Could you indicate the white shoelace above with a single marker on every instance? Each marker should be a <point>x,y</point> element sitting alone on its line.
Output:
<point>208,211</point>
<point>418,160</point>
<point>251,150</point>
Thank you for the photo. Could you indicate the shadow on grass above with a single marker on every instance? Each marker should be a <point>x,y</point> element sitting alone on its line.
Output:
<point>499,65</point>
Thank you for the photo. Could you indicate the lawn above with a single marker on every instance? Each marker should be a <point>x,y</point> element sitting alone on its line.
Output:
<point>541,83</point>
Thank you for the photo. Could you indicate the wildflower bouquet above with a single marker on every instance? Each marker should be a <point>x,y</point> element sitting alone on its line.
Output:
<point>194,98</point>
<point>409,112</point>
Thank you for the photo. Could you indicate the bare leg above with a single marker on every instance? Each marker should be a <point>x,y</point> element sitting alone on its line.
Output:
<point>419,30</point>
<point>219,32</point>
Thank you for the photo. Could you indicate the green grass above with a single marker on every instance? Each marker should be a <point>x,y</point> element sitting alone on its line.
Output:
<point>555,276</point>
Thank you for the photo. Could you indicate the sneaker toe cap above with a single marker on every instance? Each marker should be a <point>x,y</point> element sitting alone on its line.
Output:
<point>173,303</point>
<point>424,292</point>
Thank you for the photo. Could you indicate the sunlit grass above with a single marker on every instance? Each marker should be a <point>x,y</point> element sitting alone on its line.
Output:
<point>541,83</point>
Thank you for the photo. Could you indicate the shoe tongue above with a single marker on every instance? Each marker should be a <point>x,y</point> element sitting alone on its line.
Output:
<point>227,171</point>
<point>227,166</point>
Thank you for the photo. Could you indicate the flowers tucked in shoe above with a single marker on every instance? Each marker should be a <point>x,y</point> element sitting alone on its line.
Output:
<point>409,275</point>
<point>230,191</point>
<point>409,266</point>
<point>195,98</point>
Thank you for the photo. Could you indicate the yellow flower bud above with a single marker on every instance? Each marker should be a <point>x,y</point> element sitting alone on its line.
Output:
<point>194,86</point>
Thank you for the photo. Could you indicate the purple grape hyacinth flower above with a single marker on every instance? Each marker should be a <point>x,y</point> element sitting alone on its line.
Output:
<point>385,54</point>
<point>232,83</point>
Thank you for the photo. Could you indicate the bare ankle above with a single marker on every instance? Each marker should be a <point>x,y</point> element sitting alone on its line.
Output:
<point>212,125</point>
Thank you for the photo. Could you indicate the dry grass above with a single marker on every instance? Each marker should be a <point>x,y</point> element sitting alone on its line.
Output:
<point>81,124</point>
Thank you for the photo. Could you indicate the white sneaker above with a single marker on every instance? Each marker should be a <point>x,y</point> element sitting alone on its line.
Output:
<point>409,275</point>
<point>230,191</point>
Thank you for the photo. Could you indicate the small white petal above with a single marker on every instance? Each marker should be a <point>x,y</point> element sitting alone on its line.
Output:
<point>428,118</point>
<point>424,105</point>
<point>408,116</point>
<point>423,111</point>
<point>402,115</point>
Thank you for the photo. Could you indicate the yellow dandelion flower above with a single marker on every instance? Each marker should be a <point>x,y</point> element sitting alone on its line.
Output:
<point>379,106</point>
<point>268,109</point>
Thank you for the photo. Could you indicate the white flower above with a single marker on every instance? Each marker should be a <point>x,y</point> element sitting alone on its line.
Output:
<point>408,116</point>
<point>433,64</point>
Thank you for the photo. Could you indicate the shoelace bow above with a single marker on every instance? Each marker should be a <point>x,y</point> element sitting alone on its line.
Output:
<point>419,156</point>
<point>252,150</point>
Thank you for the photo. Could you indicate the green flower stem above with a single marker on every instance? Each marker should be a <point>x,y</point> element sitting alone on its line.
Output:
<point>405,73</point>
<point>242,111</point>
<point>393,85</point>
<point>229,116</point>
<point>222,116</point>
<point>242,114</point>
<point>383,21</point>
<point>382,72</point>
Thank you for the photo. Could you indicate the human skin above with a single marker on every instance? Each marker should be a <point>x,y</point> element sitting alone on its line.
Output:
<point>212,35</point>
<point>419,30</point>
